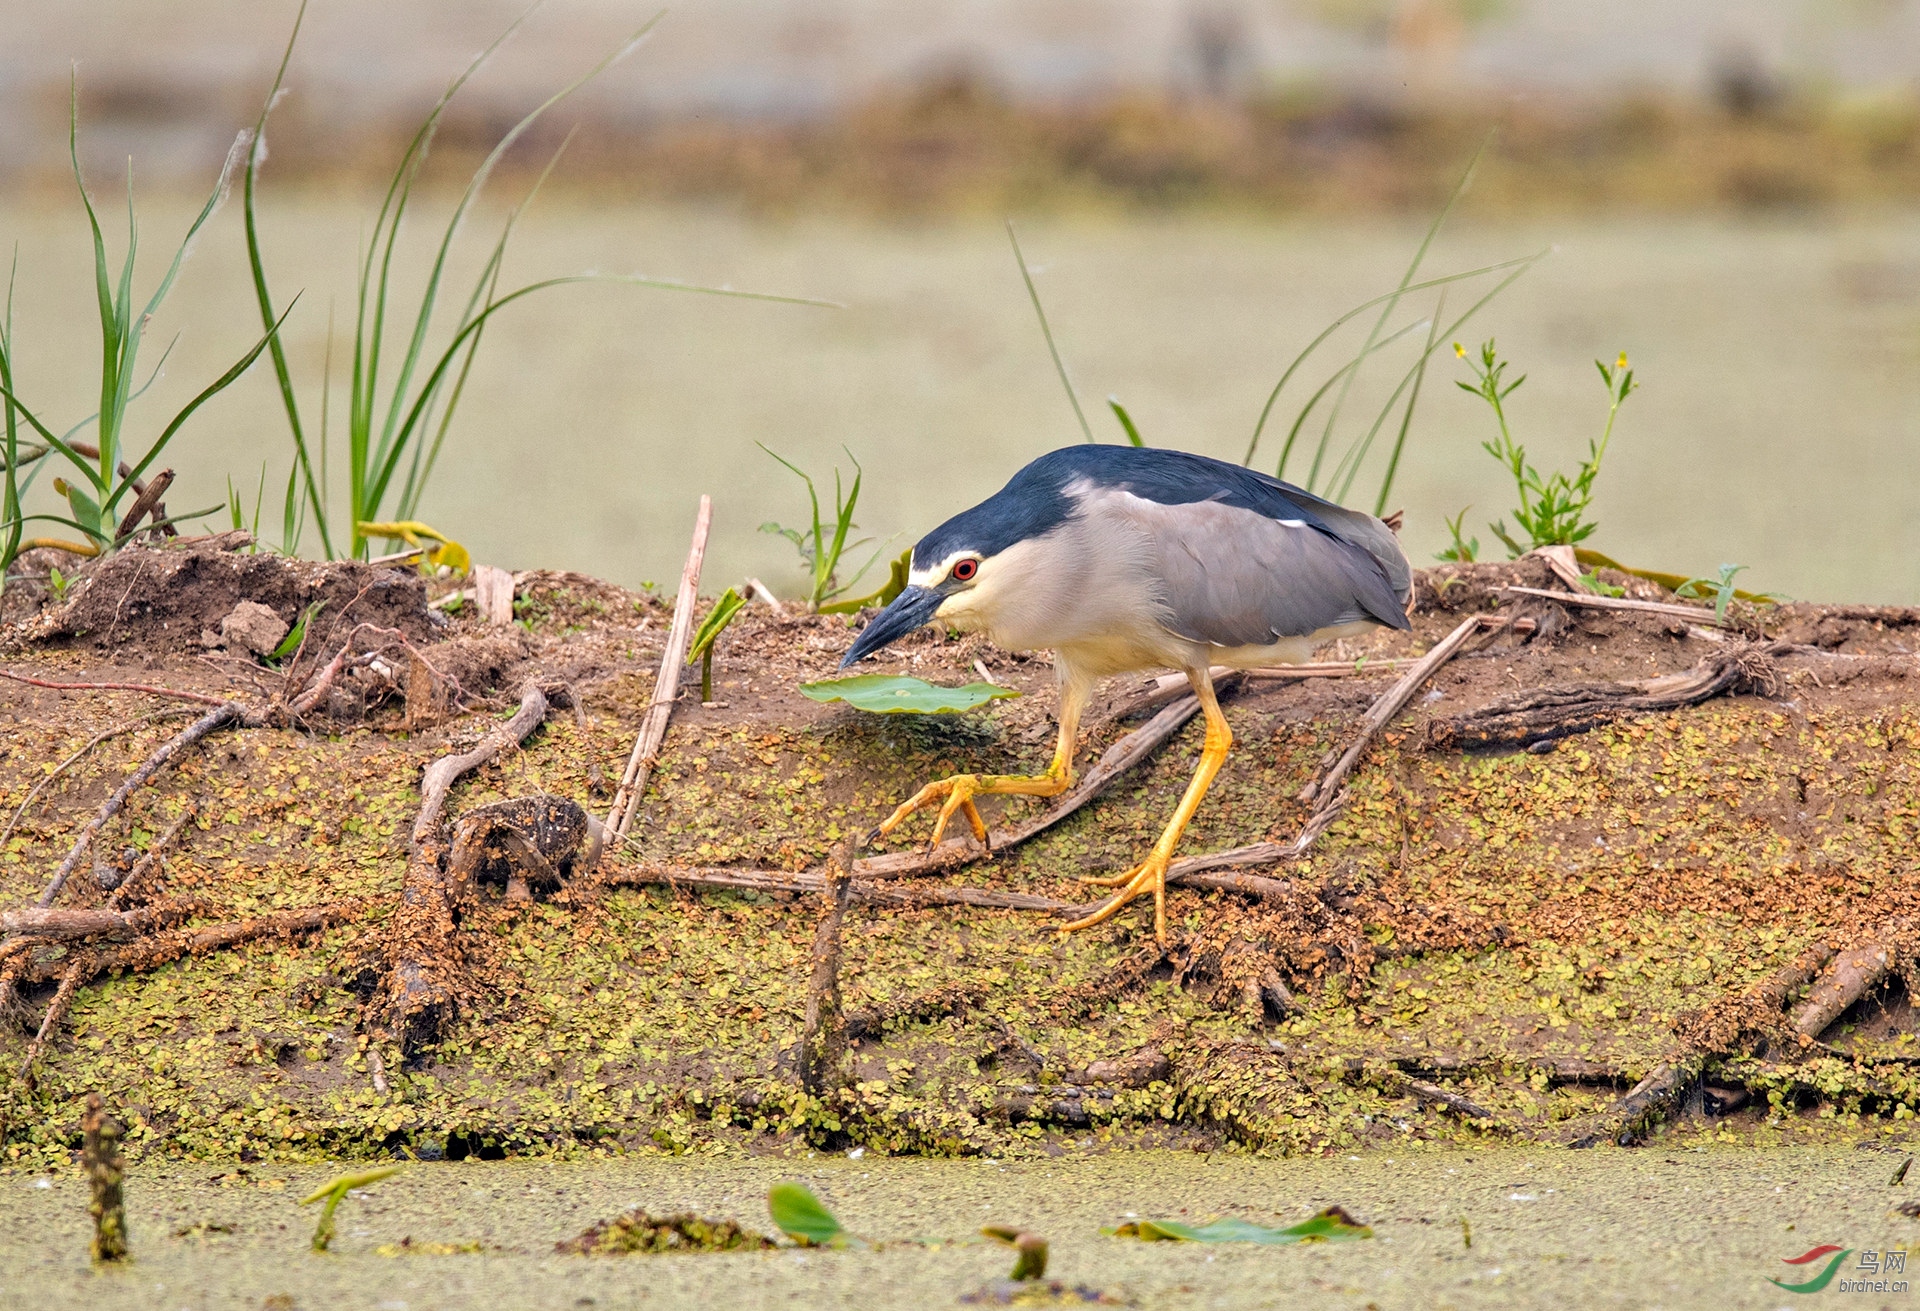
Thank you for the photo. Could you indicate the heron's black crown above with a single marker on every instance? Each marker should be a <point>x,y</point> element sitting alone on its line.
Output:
<point>1035,501</point>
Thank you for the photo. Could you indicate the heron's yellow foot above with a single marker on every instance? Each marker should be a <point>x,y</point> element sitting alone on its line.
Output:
<point>953,794</point>
<point>956,795</point>
<point>1150,875</point>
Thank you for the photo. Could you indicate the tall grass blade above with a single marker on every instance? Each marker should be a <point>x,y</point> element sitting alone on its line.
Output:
<point>256,155</point>
<point>11,523</point>
<point>206,394</point>
<point>1273,397</point>
<point>1059,365</point>
<point>1386,311</point>
<point>1357,450</point>
<point>377,480</point>
<point>485,287</point>
<point>429,297</point>
<point>1306,411</point>
<point>369,331</point>
<point>1406,419</point>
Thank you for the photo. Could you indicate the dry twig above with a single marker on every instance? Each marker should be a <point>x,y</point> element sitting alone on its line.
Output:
<point>1392,703</point>
<point>1550,713</point>
<point>1845,981</point>
<point>653,727</point>
<point>178,695</point>
<point>1693,614</point>
<point>423,978</point>
<point>73,759</point>
<point>221,716</point>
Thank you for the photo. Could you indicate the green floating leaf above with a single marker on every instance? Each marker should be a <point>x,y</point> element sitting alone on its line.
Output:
<point>898,694</point>
<point>801,1216</point>
<point>1332,1225</point>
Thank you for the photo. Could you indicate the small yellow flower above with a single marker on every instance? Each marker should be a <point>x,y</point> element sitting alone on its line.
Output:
<point>1461,351</point>
<point>1621,363</point>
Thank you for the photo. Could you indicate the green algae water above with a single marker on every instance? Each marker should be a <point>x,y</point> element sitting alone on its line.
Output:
<point>1669,1225</point>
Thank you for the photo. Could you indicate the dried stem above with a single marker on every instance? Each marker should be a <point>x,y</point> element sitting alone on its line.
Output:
<point>221,716</point>
<point>100,1155</point>
<point>1693,614</point>
<point>73,759</point>
<point>178,695</point>
<point>1323,792</point>
<point>653,728</point>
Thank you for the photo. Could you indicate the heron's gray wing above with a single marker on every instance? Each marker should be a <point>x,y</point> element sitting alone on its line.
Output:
<point>1235,577</point>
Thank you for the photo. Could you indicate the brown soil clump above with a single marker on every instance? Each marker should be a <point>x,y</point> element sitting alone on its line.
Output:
<point>175,598</point>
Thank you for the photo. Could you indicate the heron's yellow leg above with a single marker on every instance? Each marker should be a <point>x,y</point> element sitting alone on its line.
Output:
<point>955,795</point>
<point>1150,875</point>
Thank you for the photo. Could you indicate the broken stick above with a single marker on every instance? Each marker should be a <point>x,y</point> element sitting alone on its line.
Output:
<point>73,759</point>
<point>1845,981</point>
<point>1321,793</point>
<point>221,716</point>
<point>653,727</point>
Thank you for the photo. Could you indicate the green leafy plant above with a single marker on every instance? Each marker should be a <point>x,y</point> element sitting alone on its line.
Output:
<point>297,634</point>
<point>729,605</point>
<point>100,494</point>
<point>1463,550</point>
<point>1592,582</point>
<point>1332,1225</point>
<point>58,583</point>
<point>823,546</point>
<point>1672,582</point>
<point>1722,590</point>
<point>401,400</point>
<point>1552,509</point>
<point>334,1191</point>
<point>801,1216</point>
<point>899,694</point>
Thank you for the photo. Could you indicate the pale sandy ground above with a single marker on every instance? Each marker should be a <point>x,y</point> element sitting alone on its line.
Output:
<point>1778,425</point>
<point>1663,1226</point>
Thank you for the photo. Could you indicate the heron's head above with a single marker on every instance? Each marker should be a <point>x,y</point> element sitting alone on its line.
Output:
<point>967,570</point>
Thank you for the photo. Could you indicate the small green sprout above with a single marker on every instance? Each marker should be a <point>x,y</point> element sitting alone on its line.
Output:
<point>333,1191</point>
<point>1463,550</point>
<point>821,547</point>
<point>59,582</point>
<point>295,635</point>
<point>1591,580</point>
<point>1332,1225</point>
<point>1031,1263</point>
<point>708,633</point>
<point>1722,591</point>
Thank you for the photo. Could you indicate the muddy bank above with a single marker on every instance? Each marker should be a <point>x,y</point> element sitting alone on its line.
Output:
<point>1529,933</point>
<point>1681,1224</point>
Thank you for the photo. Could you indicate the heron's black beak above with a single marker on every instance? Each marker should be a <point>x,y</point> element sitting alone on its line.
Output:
<point>909,610</point>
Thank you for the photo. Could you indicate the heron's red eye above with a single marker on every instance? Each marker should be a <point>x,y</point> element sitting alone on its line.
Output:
<point>965,570</point>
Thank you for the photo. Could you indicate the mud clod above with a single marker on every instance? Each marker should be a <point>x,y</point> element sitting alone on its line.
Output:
<point>638,1232</point>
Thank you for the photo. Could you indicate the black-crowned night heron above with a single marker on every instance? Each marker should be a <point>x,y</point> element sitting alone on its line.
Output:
<point>1121,559</point>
